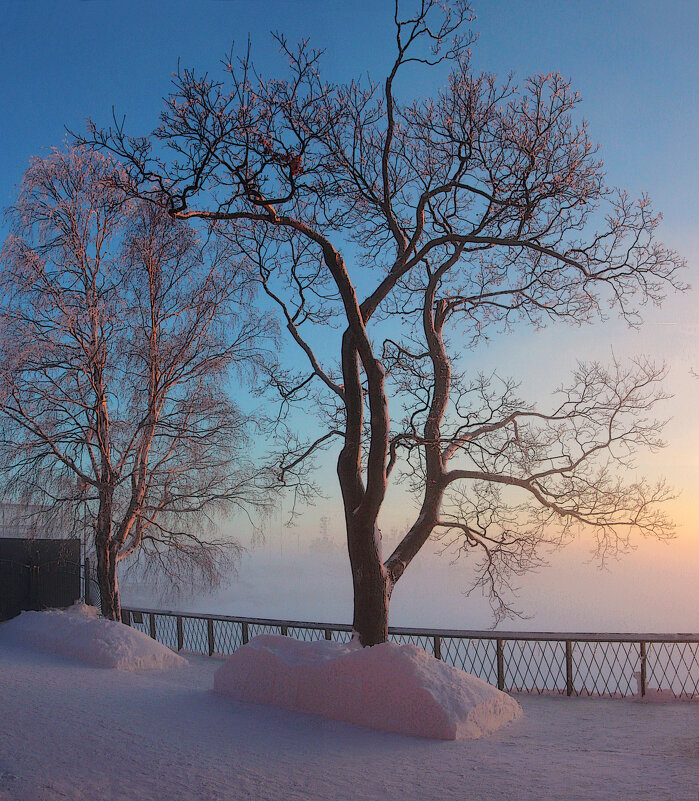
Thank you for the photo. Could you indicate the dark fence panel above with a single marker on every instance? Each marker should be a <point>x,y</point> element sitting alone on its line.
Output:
<point>38,574</point>
<point>616,665</point>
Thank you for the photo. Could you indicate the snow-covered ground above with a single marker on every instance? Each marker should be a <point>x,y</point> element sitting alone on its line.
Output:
<point>74,731</point>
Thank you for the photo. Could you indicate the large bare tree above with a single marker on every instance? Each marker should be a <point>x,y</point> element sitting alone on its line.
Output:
<point>117,332</point>
<point>400,221</point>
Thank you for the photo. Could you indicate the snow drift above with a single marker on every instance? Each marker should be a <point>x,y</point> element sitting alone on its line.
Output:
<point>80,634</point>
<point>397,688</point>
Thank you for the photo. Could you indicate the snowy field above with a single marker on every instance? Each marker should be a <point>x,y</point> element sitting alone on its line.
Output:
<point>70,730</point>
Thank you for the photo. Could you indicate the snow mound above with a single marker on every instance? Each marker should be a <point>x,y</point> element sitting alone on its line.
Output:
<point>80,634</point>
<point>391,687</point>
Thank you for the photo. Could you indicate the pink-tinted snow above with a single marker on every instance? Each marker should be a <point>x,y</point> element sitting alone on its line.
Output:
<point>390,687</point>
<point>74,732</point>
<point>79,633</point>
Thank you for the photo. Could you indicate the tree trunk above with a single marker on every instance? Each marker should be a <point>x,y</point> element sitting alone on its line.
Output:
<point>370,618</point>
<point>106,550</point>
<point>370,584</point>
<point>108,583</point>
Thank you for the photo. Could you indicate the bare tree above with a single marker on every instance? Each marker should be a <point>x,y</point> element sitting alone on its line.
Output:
<point>482,206</point>
<point>118,329</point>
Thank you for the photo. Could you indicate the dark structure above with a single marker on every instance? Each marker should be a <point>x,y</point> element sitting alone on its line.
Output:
<point>38,574</point>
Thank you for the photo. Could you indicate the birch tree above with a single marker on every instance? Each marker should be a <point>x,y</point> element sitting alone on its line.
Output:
<point>417,226</point>
<point>117,332</point>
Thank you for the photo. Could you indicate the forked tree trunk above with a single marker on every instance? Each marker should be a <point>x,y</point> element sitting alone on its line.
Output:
<point>370,584</point>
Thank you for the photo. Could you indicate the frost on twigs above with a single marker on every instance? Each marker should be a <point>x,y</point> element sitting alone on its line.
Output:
<point>413,230</point>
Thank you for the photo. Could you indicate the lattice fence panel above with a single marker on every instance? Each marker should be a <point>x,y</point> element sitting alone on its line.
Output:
<point>534,666</point>
<point>475,656</point>
<point>194,635</point>
<point>422,641</point>
<point>305,634</point>
<point>606,668</point>
<point>673,667</point>
<point>166,630</point>
<point>256,629</point>
<point>228,636</point>
<point>140,625</point>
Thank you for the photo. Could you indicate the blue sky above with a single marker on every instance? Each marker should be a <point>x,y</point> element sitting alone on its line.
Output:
<point>633,61</point>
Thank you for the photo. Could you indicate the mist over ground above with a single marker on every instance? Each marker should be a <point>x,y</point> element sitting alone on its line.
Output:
<point>295,576</point>
<point>303,572</point>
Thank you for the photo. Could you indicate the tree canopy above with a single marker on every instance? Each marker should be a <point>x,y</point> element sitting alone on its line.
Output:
<point>118,327</point>
<point>416,226</point>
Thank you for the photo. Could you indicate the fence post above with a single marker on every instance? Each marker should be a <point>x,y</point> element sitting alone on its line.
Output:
<point>180,638</point>
<point>210,634</point>
<point>437,646</point>
<point>245,632</point>
<point>643,669</point>
<point>569,667</point>
<point>86,568</point>
<point>501,664</point>
<point>152,625</point>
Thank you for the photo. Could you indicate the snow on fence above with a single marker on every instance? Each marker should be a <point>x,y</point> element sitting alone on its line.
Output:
<point>657,666</point>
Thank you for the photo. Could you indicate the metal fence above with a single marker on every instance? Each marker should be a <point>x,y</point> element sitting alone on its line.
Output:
<point>35,574</point>
<point>663,666</point>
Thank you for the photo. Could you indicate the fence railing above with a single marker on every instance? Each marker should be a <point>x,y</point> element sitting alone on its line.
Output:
<point>618,665</point>
<point>90,585</point>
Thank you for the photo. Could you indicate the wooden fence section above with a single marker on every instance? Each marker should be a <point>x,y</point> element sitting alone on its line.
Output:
<point>660,666</point>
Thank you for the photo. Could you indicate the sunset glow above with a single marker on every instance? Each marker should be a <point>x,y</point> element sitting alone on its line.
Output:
<point>349,365</point>
<point>635,81</point>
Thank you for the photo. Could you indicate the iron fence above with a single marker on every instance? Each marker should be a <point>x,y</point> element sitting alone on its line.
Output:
<point>662,666</point>
<point>90,585</point>
<point>38,573</point>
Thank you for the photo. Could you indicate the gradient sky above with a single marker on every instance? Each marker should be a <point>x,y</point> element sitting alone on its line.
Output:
<point>634,63</point>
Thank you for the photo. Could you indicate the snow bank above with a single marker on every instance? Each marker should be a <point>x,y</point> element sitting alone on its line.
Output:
<point>397,688</point>
<point>80,634</point>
